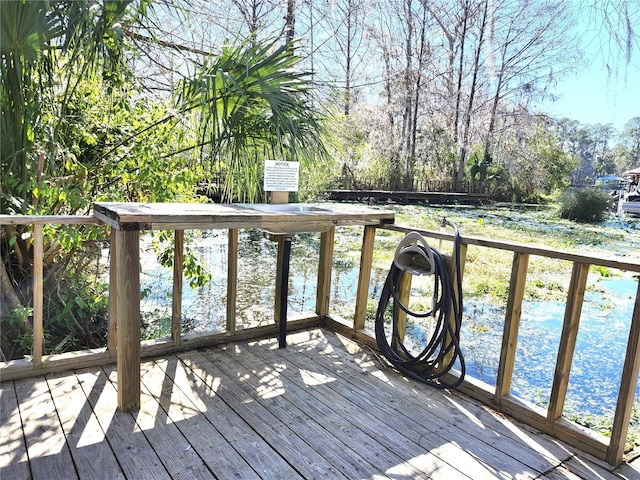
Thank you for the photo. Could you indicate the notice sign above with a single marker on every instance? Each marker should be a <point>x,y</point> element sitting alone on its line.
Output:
<point>281,176</point>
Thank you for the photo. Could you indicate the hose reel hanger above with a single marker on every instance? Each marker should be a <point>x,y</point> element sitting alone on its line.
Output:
<point>413,255</point>
<point>434,340</point>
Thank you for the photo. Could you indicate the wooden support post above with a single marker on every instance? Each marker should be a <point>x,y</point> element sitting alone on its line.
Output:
<point>404,295</point>
<point>232,279</point>
<point>176,304</point>
<point>362,294</point>
<point>38,295</point>
<point>128,285</point>
<point>519,268</point>
<point>278,197</point>
<point>572,312</point>
<point>324,272</point>
<point>453,271</point>
<point>112,336</point>
<point>626,394</point>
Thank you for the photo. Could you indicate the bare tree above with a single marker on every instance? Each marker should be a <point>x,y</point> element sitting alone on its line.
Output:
<point>530,47</point>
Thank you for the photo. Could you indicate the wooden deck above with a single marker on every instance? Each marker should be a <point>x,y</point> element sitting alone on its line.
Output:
<point>322,408</point>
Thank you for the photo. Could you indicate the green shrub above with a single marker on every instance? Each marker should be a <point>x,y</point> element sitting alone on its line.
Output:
<point>584,205</point>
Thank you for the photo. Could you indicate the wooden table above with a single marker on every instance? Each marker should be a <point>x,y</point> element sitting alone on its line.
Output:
<point>126,221</point>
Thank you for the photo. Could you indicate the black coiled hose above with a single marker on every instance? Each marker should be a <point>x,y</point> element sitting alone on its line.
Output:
<point>443,348</point>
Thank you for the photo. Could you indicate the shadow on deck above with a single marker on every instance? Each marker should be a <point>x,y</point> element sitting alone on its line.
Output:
<point>322,408</point>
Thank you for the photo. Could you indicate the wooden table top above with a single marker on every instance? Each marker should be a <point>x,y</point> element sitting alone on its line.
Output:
<point>274,218</point>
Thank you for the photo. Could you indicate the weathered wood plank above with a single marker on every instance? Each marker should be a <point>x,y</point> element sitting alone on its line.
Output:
<point>517,283</point>
<point>443,413</point>
<point>364,277</point>
<point>573,310</point>
<point>185,216</point>
<point>14,463</point>
<point>628,382</point>
<point>325,264</point>
<point>435,433</point>
<point>582,469</point>
<point>38,296</point>
<point>48,219</point>
<point>267,391</point>
<point>84,437</point>
<point>309,462</point>
<point>48,453</point>
<point>344,407</point>
<point>232,279</point>
<point>404,296</point>
<point>176,299</point>
<point>316,400</point>
<point>243,454</point>
<point>112,336</point>
<point>176,453</point>
<point>630,264</point>
<point>128,286</point>
<point>629,471</point>
<point>129,444</point>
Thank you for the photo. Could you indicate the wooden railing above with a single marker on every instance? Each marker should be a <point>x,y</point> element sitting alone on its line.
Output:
<point>497,396</point>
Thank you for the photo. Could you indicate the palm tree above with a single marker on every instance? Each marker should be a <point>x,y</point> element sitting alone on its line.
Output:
<point>249,104</point>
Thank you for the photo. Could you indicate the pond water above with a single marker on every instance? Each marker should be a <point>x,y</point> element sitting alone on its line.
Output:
<point>599,352</point>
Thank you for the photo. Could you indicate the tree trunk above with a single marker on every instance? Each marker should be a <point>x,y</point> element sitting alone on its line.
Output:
<point>460,169</point>
<point>290,21</point>
<point>8,298</point>
<point>474,81</point>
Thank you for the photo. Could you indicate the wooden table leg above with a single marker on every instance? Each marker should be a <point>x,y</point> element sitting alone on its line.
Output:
<point>128,311</point>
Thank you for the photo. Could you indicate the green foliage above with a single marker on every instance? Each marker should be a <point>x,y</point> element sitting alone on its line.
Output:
<point>554,162</point>
<point>584,205</point>
<point>164,247</point>
<point>249,104</point>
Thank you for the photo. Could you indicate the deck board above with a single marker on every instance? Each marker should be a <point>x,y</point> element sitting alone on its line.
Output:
<point>323,408</point>
<point>365,446</point>
<point>235,440</point>
<point>14,464</point>
<point>49,456</point>
<point>347,409</point>
<point>439,419</point>
<point>479,425</point>
<point>264,422</point>
<point>172,447</point>
<point>265,391</point>
<point>81,429</point>
<point>428,432</point>
<point>135,455</point>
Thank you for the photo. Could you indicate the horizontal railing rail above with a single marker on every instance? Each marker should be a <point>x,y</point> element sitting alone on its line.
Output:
<point>497,396</point>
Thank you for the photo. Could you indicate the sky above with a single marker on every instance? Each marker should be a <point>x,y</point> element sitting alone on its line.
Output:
<point>594,95</point>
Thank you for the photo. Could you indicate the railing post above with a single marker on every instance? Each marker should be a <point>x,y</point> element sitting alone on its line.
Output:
<point>176,303</point>
<point>572,312</point>
<point>451,262</point>
<point>324,272</point>
<point>232,279</point>
<point>404,296</point>
<point>38,295</point>
<point>627,390</point>
<point>362,294</point>
<point>112,336</point>
<point>128,245</point>
<point>511,324</point>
